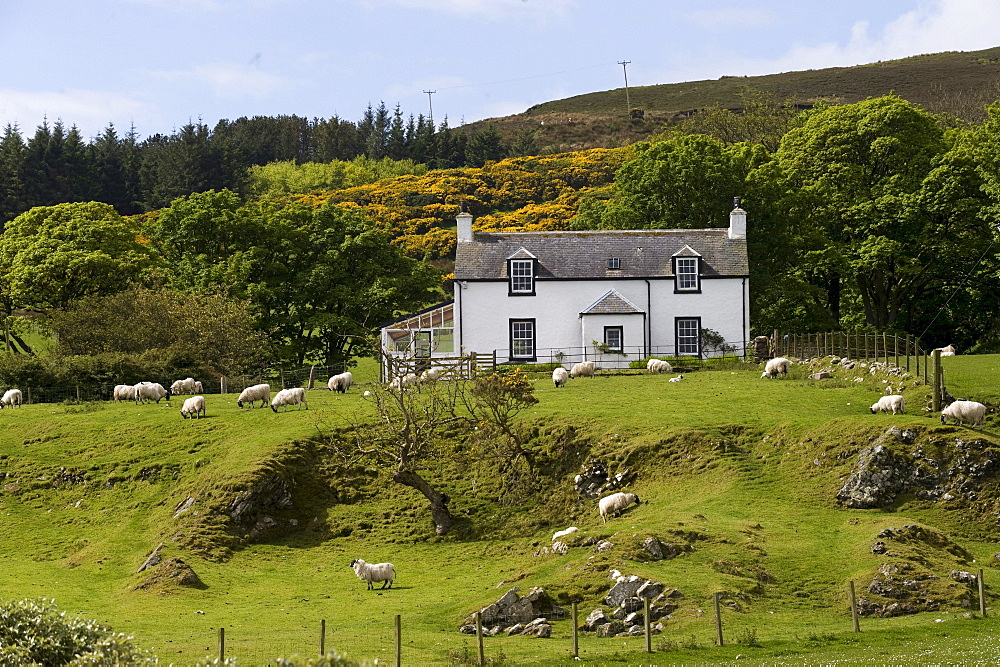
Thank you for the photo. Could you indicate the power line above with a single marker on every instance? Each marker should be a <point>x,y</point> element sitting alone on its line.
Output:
<point>628,104</point>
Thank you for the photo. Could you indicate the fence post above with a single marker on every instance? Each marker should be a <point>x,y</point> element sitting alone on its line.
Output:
<point>399,641</point>
<point>645,623</point>
<point>982,594</point>
<point>312,376</point>
<point>936,382</point>
<point>854,608</point>
<point>895,345</point>
<point>222,646</point>
<point>774,343</point>
<point>576,633</point>
<point>479,637</point>
<point>322,637</point>
<point>718,619</point>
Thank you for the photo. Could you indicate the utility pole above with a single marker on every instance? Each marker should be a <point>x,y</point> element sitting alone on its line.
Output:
<point>430,104</point>
<point>628,103</point>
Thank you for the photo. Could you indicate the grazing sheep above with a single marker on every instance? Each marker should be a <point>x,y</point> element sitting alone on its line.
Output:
<point>197,387</point>
<point>385,572</point>
<point>893,403</point>
<point>948,351</point>
<point>431,375</point>
<point>775,367</point>
<point>286,397</point>
<point>676,379</point>
<point>258,392</point>
<point>194,407</point>
<point>563,533</point>
<point>11,397</point>
<point>560,376</point>
<point>965,411</point>
<point>340,383</point>
<point>124,392</point>
<point>584,368</point>
<point>615,503</point>
<point>186,386</point>
<point>150,391</point>
<point>658,366</point>
<point>405,382</point>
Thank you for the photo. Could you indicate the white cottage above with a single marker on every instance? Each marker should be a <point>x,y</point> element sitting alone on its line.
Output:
<point>610,296</point>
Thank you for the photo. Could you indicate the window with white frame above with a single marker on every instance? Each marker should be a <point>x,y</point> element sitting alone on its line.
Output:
<point>522,276</point>
<point>522,339</point>
<point>613,338</point>
<point>688,332</point>
<point>686,272</point>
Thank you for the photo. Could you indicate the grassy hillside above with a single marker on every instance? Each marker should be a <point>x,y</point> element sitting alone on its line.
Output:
<point>958,83</point>
<point>743,470</point>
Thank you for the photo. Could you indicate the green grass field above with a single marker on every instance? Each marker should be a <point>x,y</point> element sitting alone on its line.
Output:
<point>748,467</point>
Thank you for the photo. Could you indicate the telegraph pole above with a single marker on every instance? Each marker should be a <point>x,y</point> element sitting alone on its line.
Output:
<point>628,104</point>
<point>430,104</point>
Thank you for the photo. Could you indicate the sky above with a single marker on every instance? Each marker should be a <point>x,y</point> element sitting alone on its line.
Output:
<point>155,65</point>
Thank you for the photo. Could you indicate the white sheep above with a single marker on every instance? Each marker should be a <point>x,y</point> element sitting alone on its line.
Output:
<point>893,403</point>
<point>560,376</point>
<point>431,375</point>
<point>150,391</point>
<point>11,397</point>
<point>291,396</point>
<point>658,366</point>
<point>676,379</point>
<point>615,503</point>
<point>124,392</point>
<point>404,382</point>
<point>775,367</point>
<point>194,407</point>
<point>385,572</point>
<point>564,533</point>
<point>965,411</point>
<point>584,368</point>
<point>947,351</point>
<point>186,386</point>
<point>340,383</point>
<point>258,392</point>
<point>198,387</point>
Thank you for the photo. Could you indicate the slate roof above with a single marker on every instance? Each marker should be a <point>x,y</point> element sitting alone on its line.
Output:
<point>574,255</point>
<point>612,303</point>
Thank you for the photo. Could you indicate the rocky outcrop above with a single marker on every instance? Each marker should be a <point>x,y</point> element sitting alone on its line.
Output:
<point>594,480</point>
<point>879,477</point>
<point>517,615</point>
<point>626,598</point>
<point>169,573</point>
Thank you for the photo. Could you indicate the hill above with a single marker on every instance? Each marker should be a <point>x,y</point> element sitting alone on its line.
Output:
<point>741,475</point>
<point>956,83</point>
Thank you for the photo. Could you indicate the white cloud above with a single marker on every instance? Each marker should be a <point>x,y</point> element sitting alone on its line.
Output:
<point>493,9</point>
<point>229,79</point>
<point>90,110</point>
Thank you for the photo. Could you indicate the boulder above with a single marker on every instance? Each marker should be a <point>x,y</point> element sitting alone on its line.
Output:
<point>626,588</point>
<point>610,629</point>
<point>596,618</point>
<point>879,477</point>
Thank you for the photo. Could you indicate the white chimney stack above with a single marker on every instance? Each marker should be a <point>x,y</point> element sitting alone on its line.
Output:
<point>464,219</point>
<point>737,221</point>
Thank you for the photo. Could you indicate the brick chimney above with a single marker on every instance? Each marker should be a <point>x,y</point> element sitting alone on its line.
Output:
<point>464,219</point>
<point>737,221</point>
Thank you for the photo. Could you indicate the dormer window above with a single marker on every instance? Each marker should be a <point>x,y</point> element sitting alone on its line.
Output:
<point>614,263</point>
<point>522,277</point>
<point>686,274</point>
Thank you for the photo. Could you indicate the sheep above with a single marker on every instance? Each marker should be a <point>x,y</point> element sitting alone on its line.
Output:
<point>587,368</point>
<point>194,407</point>
<point>198,387</point>
<point>615,503</point>
<point>893,403</point>
<point>404,382</point>
<point>431,375</point>
<point>563,533</point>
<point>775,367</point>
<point>150,391</point>
<point>124,392</point>
<point>384,572</point>
<point>340,383</point>
<point>948,351</point>
<point>560,376</point>
<point>658,366</point>
<point>186,386</point>
<point>965,411</point>
<point>258,392</point>
<point>286,397</point>
<point>11,397</point>
<point>676,379</point>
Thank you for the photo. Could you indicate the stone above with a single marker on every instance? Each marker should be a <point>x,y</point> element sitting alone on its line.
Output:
<point>879,477</point>
<point>649,590</point>
<point>635,631</point>
<point>652,545</point>
<point>878,548</point>
<point>626,588</point>
<point>153,559</point>
<point>511,608</point>
<point>610,629</point>
<point>603,546</point>
<point>965,577</point>
<point>596,618</point>
<point>822,375</point>
<point>559,548</point>
<point>467,629</point>
<point>515,629</point>
<point>635,618</point>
